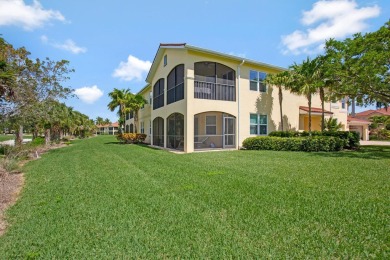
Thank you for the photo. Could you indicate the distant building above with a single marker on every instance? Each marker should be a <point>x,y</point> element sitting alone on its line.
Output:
<point>107,129</point>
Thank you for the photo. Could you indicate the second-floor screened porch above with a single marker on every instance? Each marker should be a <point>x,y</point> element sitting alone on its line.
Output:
<point>214,81</point>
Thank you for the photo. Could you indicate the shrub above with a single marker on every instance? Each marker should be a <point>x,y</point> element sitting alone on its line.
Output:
<point>307,144</point>
<point>131,138</point>
<point>38,141</point>
<point>350,139</point>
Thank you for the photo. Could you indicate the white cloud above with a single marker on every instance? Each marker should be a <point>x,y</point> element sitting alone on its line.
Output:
<point>133,68</point>
<point>16,12</point>
<point>328,19</point>
<point>89,94</point>
<point>68,45</point>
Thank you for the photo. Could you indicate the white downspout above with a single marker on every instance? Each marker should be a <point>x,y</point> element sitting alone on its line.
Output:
<point>238,102</point>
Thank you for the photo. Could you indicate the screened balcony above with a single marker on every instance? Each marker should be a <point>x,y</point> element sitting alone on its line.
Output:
<point>214,130</point>
<point>214,81</point>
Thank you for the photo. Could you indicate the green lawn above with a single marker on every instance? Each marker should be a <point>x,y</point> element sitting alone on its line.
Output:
<point>6,137</point>
<point>97,199</point>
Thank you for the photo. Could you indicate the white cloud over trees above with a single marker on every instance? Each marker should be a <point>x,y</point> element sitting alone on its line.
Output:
<point>328,19</point>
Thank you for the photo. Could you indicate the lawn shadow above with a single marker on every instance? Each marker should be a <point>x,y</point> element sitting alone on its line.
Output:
<point>374,152</point>
<point>141,145</point>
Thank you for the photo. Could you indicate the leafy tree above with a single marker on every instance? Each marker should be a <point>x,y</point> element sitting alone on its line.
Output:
<point>361,64</point>
<point>107,121</point>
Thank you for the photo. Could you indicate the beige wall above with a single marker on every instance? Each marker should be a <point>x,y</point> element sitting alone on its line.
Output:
<point>247,101</point>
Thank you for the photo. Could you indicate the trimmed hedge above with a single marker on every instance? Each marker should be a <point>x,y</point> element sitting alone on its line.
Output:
<point>131,138</point>
<point>350,139</point>
<point>306,144</point>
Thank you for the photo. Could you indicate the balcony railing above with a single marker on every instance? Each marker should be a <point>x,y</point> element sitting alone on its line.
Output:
<point>223,89</point>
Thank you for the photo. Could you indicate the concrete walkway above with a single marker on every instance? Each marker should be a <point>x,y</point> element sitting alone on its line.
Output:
<point>385,143</point>
<point>12,142</point>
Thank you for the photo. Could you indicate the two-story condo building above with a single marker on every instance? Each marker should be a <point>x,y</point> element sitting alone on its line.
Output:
<point>202,99</point>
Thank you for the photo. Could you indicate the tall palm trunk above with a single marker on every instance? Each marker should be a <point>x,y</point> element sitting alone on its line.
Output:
<point>281,109</point>
<point>47,136</point>
<point>322,97</point>
<point>309,103</point>
<point>19,136</point>
<point>135,121</point>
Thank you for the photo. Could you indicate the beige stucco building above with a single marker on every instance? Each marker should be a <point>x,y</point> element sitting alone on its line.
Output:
<point>201,99</point>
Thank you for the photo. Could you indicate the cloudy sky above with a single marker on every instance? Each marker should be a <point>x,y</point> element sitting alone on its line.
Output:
<point>111,44</point>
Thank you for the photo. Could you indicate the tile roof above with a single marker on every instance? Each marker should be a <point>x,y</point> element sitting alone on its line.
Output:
<point>314,110</point>
<point>382,111</point>
<point>116,124</point>
<point>354,119</point>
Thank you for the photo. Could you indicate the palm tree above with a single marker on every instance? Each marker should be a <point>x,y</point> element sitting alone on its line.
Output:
<point>99,120</point>
<point>280,80</point>
<point>107,121</point>
<point>135,103</point>
<point>119,99</point>
<point>305,81</point>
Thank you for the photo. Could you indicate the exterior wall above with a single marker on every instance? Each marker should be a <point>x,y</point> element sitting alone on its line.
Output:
<point>247,101</point>
<point>144,115</point>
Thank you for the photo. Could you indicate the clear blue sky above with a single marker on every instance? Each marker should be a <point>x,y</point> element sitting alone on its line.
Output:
<point>111,44</point>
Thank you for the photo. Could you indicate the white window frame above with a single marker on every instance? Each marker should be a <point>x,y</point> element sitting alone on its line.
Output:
<point>142,127</point>
<point>215,125</point>
<point>258,124</point>
<point>258,81</point>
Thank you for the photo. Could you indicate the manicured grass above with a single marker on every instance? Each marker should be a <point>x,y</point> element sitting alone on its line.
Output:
<point>98,199</point>
<point>6,137</point>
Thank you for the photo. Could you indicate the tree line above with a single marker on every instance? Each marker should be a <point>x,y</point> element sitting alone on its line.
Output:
<point>356,69</point>
<point>30,94</point>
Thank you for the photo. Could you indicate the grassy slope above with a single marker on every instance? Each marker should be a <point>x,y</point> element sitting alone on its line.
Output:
<point>97,199</point>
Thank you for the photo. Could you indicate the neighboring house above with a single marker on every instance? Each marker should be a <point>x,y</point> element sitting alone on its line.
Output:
<point>361,121</point>
<point>108,129</point>
<point>202,99</point>
<point>360,126</point>
<point>366,115</point>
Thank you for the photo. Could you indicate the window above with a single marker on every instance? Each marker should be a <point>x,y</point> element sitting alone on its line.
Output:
<point>131,128</point>
<point>258,124</point>
<point>257,81</point>
<point>165,60</point>
<point>142,127</point>
<point>175,131</point>
<point>211,125</point>
<point>150,127</point>
<point>158,131</point>
<point>175,84</point>
<point>131,114</point>
<point>214,81</point>
<point>343,103</point>
<point>158,94</point>
<point>150,98</point>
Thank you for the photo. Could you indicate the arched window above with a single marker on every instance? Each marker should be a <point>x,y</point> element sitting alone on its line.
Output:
<point>131,128</point>
<point>127,129</point>
<point>158,131</point>
<point>214,81</point>
<point>158,94</point>
<point>175,131</point>
<point>175,84</point>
